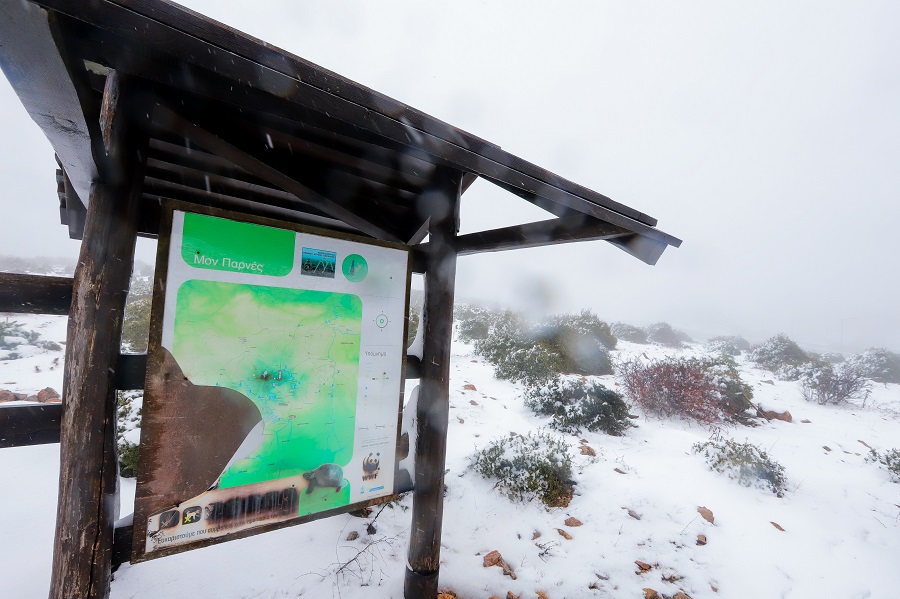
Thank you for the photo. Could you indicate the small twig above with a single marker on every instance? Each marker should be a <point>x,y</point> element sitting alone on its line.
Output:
<point>688,524</point>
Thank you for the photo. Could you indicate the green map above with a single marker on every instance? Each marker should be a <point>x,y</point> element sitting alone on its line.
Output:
<point>294,353</point>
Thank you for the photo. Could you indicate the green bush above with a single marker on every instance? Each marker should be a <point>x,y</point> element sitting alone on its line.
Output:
<point>707,391</point>
<point>533,354</point>
<point>750,465</point>
<point>878,364</point>
<point>575,405</point>
<point>474,322</point>
<point>663,334</point>
<point>890,460</point>
<point>629,332</point>
<point>127,419</point>
<point>783,357</point>
<point>534,466</point>
<point>728,345</point>
<point>128,458</point>
<point>136,323</point>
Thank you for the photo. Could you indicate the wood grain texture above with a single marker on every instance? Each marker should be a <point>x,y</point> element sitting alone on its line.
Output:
<point>29,425</point>
<point>35,294</point>
<point>88,500</point>
<point>433,407</point>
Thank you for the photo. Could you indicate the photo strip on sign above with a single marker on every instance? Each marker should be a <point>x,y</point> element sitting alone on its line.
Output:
<point>275,377</point>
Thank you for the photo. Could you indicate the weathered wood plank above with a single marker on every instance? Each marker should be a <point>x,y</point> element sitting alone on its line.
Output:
<point>548,232</point>
<point>35,294</point>
<point>433,407</point>
<point>88,501</point>
<point>257,167</point>
<point>29,425</point>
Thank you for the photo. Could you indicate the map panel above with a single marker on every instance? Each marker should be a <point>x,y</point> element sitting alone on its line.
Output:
<point>272,394</point>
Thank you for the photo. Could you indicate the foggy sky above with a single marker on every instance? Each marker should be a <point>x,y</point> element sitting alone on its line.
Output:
<point>766,135</point>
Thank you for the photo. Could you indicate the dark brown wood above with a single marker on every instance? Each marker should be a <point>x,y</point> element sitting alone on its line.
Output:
<point>29,425</point>
<point>35,294</point>
<point>262,170</point>
<point>88,501</point>
<point>433,407</point>
<point>547,232</point>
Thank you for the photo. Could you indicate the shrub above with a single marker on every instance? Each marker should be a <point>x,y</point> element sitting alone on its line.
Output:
<point>828,384</point>
<point>576,405</point>
<point>136,323</point>
<point>127,418</point>
<point>878,364</point>
<point>534,466</point>
<point>413,326</point>
<point>474,322</point>
<point>890,460</point>
<point>832,357</point>
<point>629,332</point>
<point>782,356</point>
<point>50,345</point>
<point>728,345</point>
<point>663,334</point>
<point>535,354</point>
<point>748,464</point>
<point>128,458</point>
<point>707,391</point>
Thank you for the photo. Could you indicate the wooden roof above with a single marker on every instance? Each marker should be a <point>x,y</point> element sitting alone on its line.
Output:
<point>237,123</point>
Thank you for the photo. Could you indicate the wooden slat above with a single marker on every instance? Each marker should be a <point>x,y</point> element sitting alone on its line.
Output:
<point>35,294</point>
<point>468,153</point>
<point>29,425</point>
<point>259,168</point>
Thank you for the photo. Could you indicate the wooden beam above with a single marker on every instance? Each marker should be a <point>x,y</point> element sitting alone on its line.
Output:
<point>29,425</point>
<point>88,483</point>
<point>258,168</point>
<point>35,294</point>
<point>547,232</point>
<point>433,408</point>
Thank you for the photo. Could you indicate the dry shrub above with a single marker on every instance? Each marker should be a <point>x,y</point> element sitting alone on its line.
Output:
<point>707,391</point>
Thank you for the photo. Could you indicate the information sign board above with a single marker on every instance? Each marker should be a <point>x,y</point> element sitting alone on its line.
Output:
<point>275,374</point>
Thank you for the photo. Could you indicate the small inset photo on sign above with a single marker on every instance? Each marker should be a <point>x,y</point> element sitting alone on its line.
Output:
<point>318,263</point>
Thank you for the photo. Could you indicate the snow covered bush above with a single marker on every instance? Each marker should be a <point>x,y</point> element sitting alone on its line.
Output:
<point>533,466</point>
<point>127,420</point>
<point>829,384</point>
<point>890,460</point>
<point>474,322</point>
<point>832,357</point>
<point>878,364</point>
<point>12,329</point>
<point>750,465</point>
<point>576,404</point>
<point>708,391</point>
<point>663,334</point>
<point>136,323</point>
<point>782,356</point>
<point>728,345</point>
<point>534,354</point>
<point>629,332</point>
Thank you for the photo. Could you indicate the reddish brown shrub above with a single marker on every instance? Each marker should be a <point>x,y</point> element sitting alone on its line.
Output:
<point>678,388</point>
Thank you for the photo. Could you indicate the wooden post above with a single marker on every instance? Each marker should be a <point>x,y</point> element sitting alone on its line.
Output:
<point>88,499</point>
<point>434,396</point>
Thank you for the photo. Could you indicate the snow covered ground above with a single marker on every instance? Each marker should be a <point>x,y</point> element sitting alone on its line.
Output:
<point>637,500</point>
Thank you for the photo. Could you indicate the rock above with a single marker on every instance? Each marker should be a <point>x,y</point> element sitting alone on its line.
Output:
<point>642,566</point>
<point>446,595</point>
<point>701,539</point>
<point>573,522</point>
<point>633,514</point>
<point>768,382</point>
<point>706,514</point>
<point>826,448</point>
<point>536,535</point>
<point>469,387</point>
<point>806,421</point>
<point>777,525</point>
<point>619,471</point>
<point>773,415</point>
<point>542,595</point>
<point>650,594</point>
<point>370,528</point>
<point>509,595</point>
<point>495,559</point>
<point>588,450</point>
<point>564,534</point>
<point>583,441</point>
<point>32,398</point>
<point>48,394</point>
<point>352,535</point>
<point>681,595</point>
<point>6,395</point>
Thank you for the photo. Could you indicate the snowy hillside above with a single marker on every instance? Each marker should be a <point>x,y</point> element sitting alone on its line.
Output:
<point>834,533</point>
